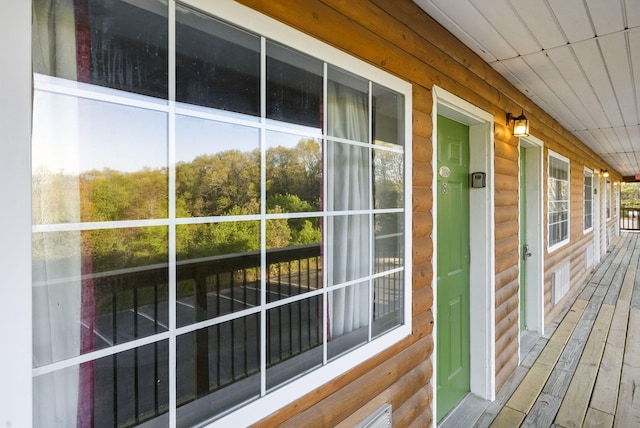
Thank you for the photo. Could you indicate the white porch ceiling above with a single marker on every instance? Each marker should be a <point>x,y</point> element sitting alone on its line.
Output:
<point>579,60</point>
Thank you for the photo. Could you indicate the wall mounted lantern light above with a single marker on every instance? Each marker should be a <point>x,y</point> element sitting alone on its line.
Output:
<point>520,124</point>
<point>604,172</point>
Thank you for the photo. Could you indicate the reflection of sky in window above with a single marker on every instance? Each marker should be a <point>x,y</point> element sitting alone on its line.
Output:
<point>285,139</point>
<point>196,137</point>
<point>74,135</point>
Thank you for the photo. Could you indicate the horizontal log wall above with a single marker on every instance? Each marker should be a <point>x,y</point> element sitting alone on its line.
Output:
<point>575,251</point>
<point>400,38</point>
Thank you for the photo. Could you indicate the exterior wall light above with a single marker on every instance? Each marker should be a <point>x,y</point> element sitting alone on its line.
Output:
<point>604,172</point>
<point>520,124</point>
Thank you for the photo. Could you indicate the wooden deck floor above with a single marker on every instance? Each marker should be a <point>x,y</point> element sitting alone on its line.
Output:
<point>585,372</point>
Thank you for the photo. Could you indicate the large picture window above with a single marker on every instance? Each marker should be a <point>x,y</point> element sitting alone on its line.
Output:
<point>558,196</point>
<point>207,234</point>
<point>588,200</point>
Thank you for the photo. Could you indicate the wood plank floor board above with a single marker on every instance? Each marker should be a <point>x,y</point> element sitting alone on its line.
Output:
<point>543,413</point>
<point>628,408</point>
<point>508,418</point>
<point>502,397</point>
<point>558,382</point>
<point>627,285</point>
<point>605,392</point>
<point>597,419</point>
<point>587,292</point>
<point>535,352</point>
<point>614,289</point>
<point>635,297</point>
<point>524,397</point>
<point>575,403</point>
<point>573,350</point>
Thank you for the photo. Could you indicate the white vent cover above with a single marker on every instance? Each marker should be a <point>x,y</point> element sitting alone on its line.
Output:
<point>560,282</point>
<point>381,418</point>
<point>588,258</point>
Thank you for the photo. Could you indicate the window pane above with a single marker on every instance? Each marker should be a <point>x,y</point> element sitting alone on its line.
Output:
<point>388,303</point>
<point>350,257</point>
<point>389,241</point>
<point>217,65</point>
<point>107,43</point>
<point>97,161</point>
<point>294,336</point>
<point>294,258</point>
<point>348,318</point>
<point>95,289</point>
<point>124,389</point>
<point>294,173</point>
<point>217,369</point>
<point>588,200</point>
<point>347,106</point>
<point>218,168</point>
<point>218,269</point>
<point>558,200</point>
<point>348,177</point>
<point>388,176</point>
<point>294,86</point>
<point>388,116</point>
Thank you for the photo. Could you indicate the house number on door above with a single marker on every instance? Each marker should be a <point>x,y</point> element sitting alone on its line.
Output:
<point>445,188</point>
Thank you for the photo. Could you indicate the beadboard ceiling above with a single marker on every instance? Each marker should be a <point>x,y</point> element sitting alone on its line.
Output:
<point>579,60</point>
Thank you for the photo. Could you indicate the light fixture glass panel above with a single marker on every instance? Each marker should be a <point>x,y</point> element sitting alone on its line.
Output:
<point>520,127</point>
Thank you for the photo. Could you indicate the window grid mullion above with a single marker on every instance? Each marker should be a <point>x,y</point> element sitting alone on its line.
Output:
<point>172,271</point>
<point>370,167</point>
<point>263,225</point>
<point>325,223</point>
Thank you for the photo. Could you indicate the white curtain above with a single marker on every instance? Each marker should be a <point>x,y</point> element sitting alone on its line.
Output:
<point>348,189</point>
<point>54,38</point>
<point>57,256</point>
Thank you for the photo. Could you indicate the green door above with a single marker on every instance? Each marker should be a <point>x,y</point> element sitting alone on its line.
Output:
<point>453,354</point>
<point>523,230</point>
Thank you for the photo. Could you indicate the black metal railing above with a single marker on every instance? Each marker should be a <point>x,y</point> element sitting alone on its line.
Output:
<point>630,218</point>
<point>132,386</point>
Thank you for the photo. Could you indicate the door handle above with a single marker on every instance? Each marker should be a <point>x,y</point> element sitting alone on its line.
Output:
<point>525,252</point>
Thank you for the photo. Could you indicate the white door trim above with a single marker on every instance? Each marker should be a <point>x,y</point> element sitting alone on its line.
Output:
<point>534,234</point>
<point>482,240</point>
<point>597,217</point>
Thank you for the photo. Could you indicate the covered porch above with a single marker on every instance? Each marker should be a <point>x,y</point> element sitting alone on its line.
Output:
<point>585,370</point>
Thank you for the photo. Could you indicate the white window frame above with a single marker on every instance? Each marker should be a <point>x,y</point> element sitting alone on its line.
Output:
<point>587,173</point>
<point>565,241</point>
<point>246,415</point>
<point>15,217</point>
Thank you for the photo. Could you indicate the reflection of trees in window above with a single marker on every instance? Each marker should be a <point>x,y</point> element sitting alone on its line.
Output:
<point>213,185</point>
<point>295,172</point>
<point>388,173</point>
<point>223,184</point>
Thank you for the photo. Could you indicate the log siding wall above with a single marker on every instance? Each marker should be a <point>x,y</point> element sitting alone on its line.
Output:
<point>400,38</point>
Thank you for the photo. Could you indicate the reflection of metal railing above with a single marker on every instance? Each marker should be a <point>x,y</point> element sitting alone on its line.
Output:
<point>630,218</point>
<point>132,303</point>
<point>131,386</point>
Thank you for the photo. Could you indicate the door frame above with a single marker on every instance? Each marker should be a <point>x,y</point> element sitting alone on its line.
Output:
<point>534,275</point>
<point>482,241</point>
<point>597,217</point>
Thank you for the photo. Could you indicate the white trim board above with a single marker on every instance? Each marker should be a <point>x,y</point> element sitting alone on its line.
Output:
<point>482,240</point>
<point>15,216</point>
<point>534,293</point>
